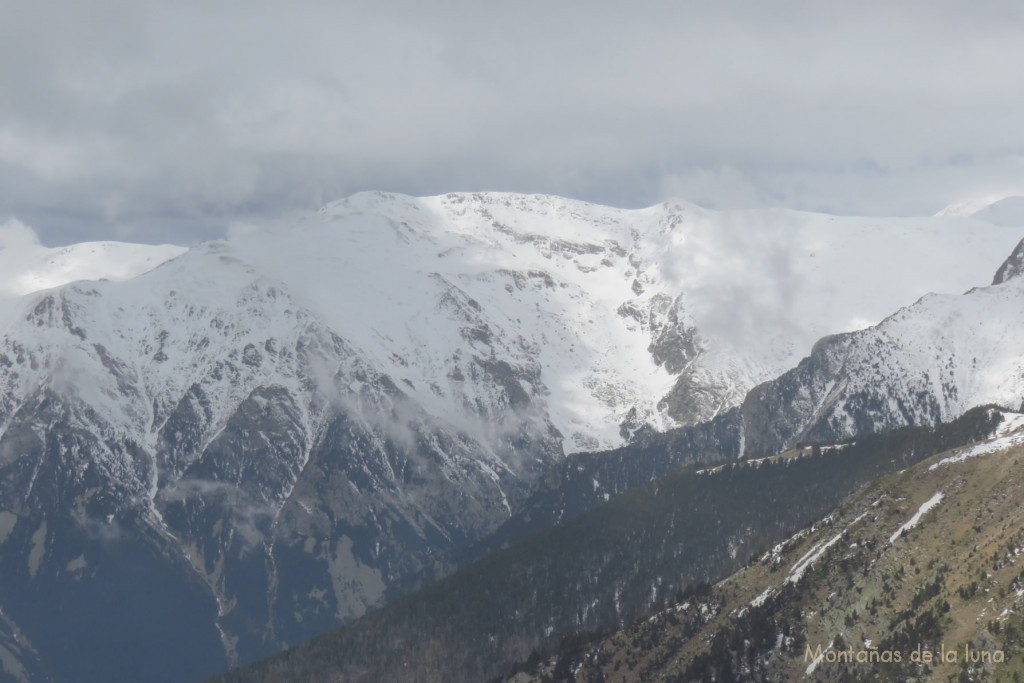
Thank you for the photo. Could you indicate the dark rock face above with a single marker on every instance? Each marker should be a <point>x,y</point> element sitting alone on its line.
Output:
<point>270,535</point>
<point>84,570</point>
<point>1012,266</point>
<point>780,413</point>
<point>675,343</point>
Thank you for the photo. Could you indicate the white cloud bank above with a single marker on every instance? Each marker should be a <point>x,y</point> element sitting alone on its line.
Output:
<point>164,121</point>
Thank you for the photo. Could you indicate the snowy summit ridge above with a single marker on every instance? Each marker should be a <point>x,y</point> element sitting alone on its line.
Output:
<point>628,315</point>
<point>26,266</point>
<point>610,318</point>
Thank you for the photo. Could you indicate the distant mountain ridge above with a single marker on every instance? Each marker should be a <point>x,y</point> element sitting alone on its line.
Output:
<point>26,266</point>
<point>1004,209</point>
<point>286,425</point>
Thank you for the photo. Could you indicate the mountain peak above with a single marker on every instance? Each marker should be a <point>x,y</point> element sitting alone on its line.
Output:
<point>1012,266</point>
<point>1003,210</point>
<point>1008,211</point>
<point>27,266</point>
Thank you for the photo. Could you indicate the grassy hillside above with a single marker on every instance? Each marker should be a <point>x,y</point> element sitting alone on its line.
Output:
<point>919,576</point>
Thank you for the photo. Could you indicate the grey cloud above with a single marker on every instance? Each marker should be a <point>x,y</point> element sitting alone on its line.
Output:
<point>164,122</point>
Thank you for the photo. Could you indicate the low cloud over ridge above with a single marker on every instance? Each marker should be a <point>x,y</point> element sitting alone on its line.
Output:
<point>156,122</point>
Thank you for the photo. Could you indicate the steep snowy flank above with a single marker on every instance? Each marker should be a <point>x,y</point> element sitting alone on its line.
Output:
<point>224,433</point>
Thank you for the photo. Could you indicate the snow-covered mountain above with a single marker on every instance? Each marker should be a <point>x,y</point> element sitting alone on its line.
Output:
<point>927,363</point>
<point>665,315</point>
<point>285,425</point>
<point>205,419</point>
<point>26,266</point>
<point>1001,209</point>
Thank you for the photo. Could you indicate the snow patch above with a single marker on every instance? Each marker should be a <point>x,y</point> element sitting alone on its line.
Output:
<point>812,556</point>
<point>1012,422</point>
<point>1010,433</point>
<point>912,522</point>
<point>759,600</point>
<point>817,660</point>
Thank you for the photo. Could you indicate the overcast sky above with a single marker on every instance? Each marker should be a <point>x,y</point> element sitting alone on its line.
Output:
<point>166,121</point>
